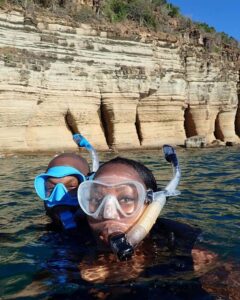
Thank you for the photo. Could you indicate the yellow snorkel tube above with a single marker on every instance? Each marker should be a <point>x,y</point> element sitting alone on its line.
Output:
<point>123,244</point>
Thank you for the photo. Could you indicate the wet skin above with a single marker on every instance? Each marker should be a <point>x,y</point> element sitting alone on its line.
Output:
<point>114,173</point>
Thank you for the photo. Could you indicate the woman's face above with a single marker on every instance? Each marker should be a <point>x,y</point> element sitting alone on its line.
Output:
<point>115,173</point>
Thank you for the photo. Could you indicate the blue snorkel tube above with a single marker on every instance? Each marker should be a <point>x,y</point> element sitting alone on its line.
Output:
<point>123,244</point>
<point>81,141</point>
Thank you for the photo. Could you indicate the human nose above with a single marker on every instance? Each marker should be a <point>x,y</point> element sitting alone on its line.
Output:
<point>110,209</point>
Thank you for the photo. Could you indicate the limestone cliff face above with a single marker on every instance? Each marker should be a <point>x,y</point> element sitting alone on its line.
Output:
<point>119,93</point>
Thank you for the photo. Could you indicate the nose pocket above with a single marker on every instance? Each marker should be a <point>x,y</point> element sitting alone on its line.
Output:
<point>58,192</point>
<point>110,208</point>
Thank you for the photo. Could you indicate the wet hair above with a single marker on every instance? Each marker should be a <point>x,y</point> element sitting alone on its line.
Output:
<point>145,174</point>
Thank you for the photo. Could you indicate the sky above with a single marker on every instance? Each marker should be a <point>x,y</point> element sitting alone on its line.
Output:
<point>223,15</point>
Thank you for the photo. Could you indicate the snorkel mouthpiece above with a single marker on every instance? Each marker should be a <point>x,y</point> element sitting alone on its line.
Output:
<point>81,141</point>
<point>120,246</point>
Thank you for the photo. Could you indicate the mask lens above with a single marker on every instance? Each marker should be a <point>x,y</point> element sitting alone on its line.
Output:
<point>70,184</point>
<point>49,186</point>
<point>127,197</point>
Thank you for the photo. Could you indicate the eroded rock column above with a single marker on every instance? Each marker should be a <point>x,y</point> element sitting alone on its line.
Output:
<point>15,111</point>
<point>49,127</point>
<point>119,119</point>
<point>161,122</point>
<point>226,126</point>
<point>203,119</point>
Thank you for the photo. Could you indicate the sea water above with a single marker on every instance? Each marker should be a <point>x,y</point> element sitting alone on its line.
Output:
<point>36,263</point>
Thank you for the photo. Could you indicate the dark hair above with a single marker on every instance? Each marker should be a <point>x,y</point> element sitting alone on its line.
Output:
<point>145,174</point>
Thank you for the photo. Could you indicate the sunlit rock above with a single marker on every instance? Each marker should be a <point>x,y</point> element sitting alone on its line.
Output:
<point>141,93</point>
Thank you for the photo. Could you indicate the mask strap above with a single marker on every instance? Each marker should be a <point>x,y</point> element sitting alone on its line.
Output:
<point>149,196</point>
<point>81,141</point>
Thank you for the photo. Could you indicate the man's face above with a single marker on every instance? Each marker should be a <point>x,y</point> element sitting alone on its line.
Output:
<point>115,173</point>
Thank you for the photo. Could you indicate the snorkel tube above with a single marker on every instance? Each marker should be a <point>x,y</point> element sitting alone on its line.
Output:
<point>81,141</point>
<point>123,244</point>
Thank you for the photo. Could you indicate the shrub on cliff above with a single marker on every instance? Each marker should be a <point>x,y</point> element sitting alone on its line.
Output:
<point>206,27</point>
<point>140,11</point>
<point>115,10</point>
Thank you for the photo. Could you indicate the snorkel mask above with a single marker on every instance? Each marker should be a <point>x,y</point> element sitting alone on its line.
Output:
<point>106,200</point>
<point>59,194</point>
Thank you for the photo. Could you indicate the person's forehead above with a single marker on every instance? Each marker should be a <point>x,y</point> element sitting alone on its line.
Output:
<point>119,171</point>
<point>76,162</point>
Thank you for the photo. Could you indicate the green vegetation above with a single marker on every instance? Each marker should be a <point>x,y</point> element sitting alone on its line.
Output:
<point>206,27</point>
<point>141,11</point>
<point>157,15</point>
<point>173,11</point>
<point>115,10</point>
<point>227,39</point>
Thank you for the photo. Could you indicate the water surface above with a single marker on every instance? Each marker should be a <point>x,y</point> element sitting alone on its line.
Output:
<point>209,198</point>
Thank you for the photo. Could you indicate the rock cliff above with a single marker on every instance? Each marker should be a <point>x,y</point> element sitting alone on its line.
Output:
<point>119,92</point>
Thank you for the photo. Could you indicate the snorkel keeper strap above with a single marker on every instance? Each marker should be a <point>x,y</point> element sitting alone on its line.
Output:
<point>81,141</point>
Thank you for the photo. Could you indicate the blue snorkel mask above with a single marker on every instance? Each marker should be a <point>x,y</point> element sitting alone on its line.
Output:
<point>59,195</point>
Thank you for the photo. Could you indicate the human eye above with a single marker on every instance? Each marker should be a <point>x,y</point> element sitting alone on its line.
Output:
<point>126,200</point>
<point>72,184</point>
<point>49,186</point>
<point>96,198</point>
